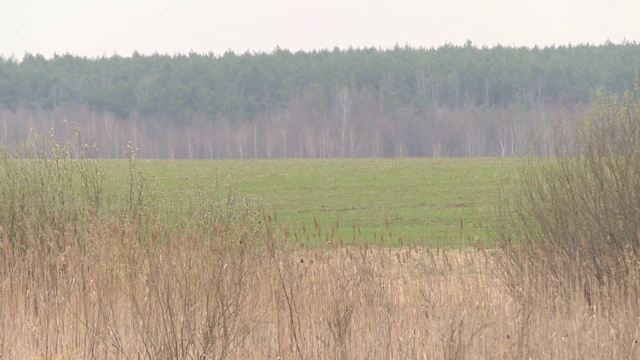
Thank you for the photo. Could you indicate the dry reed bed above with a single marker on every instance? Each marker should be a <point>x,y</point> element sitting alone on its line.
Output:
<point>171,294</point>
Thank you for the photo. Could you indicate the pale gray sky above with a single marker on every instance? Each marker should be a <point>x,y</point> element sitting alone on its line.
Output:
<point>94,28</point>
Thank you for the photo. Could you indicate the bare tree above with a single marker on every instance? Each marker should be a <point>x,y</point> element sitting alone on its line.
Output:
<point>344,108</point>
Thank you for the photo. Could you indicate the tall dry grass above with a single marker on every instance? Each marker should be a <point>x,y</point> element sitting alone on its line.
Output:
<point>572,236</point>
<point>188,298</point>
<point>216,278</point>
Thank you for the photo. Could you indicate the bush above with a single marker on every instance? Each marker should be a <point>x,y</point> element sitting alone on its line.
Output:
<point>46,185</point>
<point>574,220</point>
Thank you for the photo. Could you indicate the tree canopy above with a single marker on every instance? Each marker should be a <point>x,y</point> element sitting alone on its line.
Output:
<point>240,86</point>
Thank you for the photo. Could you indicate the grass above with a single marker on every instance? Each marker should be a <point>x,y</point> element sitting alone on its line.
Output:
<point>88,273</point>
<point>394,201</point>
<point>188,300</point>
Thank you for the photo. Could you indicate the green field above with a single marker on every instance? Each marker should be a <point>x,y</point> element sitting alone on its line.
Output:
<point>393,200</point>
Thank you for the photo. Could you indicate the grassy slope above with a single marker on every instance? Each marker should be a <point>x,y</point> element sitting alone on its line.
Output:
<point>422,199</point>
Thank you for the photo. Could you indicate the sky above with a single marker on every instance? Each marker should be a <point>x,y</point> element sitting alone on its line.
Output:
<point>104,28</point>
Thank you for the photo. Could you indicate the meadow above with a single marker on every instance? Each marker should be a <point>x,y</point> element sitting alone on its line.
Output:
<point>252,260</point>
<point>437,202</point>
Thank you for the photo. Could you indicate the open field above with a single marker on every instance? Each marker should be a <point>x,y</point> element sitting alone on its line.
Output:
<point>388,200</point>
<point>80,281</point>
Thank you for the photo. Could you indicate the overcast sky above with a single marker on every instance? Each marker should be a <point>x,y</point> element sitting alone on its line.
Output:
<point>95,28</point>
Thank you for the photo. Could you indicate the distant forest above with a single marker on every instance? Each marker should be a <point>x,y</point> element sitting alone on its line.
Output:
<point>446,101</point>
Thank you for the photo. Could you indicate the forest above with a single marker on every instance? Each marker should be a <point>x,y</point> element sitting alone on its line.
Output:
<point>449,101</point>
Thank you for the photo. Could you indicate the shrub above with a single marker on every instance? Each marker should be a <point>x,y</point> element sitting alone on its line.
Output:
<point>574,220</point>
<point>46,185</point>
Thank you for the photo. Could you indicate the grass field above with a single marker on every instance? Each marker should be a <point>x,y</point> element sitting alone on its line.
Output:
<point>390,200</point>
<point>87,273</point>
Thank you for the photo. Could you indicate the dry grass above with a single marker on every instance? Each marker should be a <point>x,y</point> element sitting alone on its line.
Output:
<point>191,298</point>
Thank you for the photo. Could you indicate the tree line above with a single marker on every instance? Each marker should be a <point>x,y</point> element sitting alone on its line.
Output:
<point>445,101</point>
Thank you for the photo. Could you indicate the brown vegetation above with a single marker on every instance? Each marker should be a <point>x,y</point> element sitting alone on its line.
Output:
<point>182,295</point>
